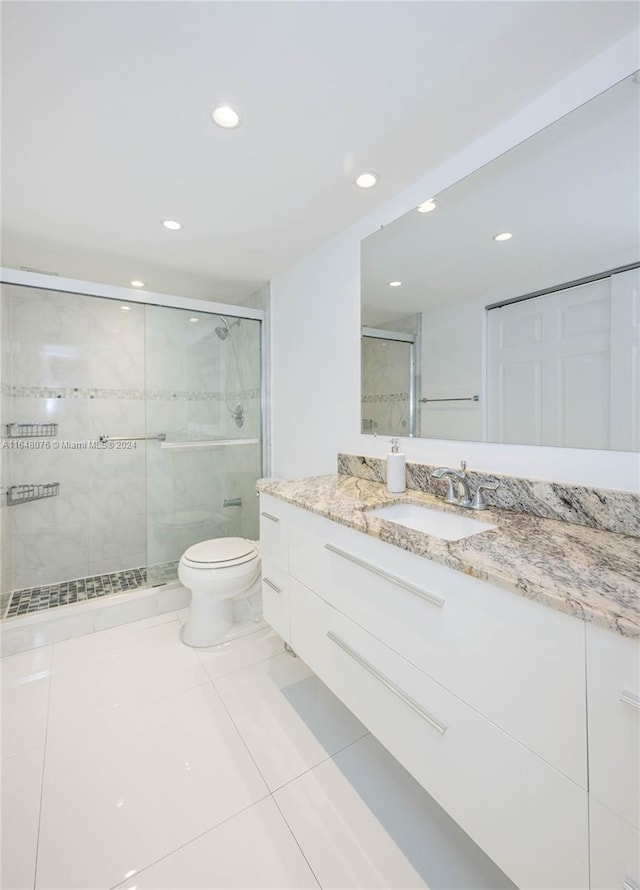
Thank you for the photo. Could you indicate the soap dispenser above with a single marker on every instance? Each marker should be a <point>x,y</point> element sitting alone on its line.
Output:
<point>396,480</point>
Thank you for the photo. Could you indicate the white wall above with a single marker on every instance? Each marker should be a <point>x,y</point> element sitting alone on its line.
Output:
<point>316,321</point>
<point>452,354</point>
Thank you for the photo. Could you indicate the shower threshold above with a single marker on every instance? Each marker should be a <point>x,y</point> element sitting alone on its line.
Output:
<point>50,596</point>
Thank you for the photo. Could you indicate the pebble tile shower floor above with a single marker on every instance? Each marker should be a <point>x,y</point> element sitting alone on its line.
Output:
<point>49,596</point>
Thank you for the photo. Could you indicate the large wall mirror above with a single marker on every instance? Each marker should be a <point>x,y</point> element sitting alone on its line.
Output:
<point>470,334</point>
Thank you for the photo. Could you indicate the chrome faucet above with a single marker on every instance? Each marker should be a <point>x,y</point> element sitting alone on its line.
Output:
<point>461,477</point>
<point>476,502</point>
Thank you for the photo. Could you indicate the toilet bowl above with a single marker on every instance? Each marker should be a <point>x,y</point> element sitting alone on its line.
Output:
<point>217,572</point>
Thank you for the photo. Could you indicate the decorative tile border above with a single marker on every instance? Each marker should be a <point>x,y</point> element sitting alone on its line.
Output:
<point>614,511</point>
<point>82,392</point>
<point>49,596</point>
<point>387,397</point>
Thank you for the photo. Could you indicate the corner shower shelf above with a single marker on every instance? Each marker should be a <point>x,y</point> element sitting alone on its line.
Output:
<point>208,443</point>
<point>20,494</point>
<point>31,430</point>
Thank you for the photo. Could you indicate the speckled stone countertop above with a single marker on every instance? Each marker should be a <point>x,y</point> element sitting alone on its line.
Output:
<point>592,574</point>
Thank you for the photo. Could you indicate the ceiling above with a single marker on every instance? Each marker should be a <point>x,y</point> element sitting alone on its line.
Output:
<point>106,126</point>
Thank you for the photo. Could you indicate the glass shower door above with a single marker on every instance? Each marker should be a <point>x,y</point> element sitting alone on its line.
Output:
<point>388,382</point>
<point>203,386</point>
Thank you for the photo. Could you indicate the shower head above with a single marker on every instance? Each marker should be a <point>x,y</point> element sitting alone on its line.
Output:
<point>224,329</point>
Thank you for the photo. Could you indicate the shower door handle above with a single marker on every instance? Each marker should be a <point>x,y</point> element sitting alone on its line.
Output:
<point>161,437</point>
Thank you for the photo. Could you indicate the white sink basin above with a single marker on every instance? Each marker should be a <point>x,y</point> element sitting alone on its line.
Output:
<point>449,526</point>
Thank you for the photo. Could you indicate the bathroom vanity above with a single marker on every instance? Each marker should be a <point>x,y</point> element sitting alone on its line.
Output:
<point>500,669</point>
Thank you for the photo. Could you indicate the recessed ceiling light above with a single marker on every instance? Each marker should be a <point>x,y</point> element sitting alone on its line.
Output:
<point>171,224</point>
<point>502,236</point>
<point>395,283</point>
<point>226,117</point>
<point>367,180</point>
<point>136,283</point>
<point>126,308</point>
<point>427,206</point>
<point>194,320</point>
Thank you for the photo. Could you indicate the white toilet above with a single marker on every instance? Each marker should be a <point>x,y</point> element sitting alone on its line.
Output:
<point>217,572</point>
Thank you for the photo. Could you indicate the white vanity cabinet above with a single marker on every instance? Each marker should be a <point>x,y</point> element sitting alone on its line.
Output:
<point>613,695</point>
<point>274,553</point>
<point>518,663</point>
<point>478,692</point>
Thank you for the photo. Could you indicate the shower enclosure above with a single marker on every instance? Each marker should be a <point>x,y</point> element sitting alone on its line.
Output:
<point>129,432</point>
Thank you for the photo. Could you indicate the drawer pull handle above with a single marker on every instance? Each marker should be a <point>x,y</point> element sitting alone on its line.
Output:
<point>391,686</point>
<point>272,585</point>
<point>631,699</point>
<point>424,594</point>
<point>630,884</point>
<point>269,516</point>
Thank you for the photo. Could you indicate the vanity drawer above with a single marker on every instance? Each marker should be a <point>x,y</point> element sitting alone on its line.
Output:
<point>309,625</point>
<point>274,542</point>
<point>615,850</point>
<point>508,657</point>
<point>528,818</point>
<point>275,599</point>
<point>613,698</point>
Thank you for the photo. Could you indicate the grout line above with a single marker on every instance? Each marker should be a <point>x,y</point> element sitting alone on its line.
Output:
<point>119,630</point>
<point>237,670</point>
<point>190,841</point>
<point>44,763</point>
<point>308,770</point>
<point>320,762</point>
<point>297,842</point>
<point>271,792</point>
<point>20,753</point>
<point>240,736</point>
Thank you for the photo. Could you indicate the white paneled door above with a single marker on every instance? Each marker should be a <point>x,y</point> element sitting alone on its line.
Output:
<point>553,376</point>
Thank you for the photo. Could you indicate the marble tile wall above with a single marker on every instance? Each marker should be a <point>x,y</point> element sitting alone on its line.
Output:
<point>187,488</point>
<point>616,511</point>
<point>80,363</point>
<point>385,387</point>
<point>96,368</point>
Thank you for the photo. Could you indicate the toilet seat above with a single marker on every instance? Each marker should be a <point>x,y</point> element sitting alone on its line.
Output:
<point>219,553</point>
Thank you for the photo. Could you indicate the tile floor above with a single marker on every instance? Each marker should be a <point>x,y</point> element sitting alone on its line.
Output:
<point>132,761</point>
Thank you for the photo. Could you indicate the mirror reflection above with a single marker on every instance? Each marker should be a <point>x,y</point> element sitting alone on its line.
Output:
<point>506,308</point>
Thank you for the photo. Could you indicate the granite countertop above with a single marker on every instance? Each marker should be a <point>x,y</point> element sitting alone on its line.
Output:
<point>592,574</point>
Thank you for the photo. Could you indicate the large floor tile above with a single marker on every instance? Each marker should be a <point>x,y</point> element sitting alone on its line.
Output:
<point>118,620</point>
<point>362,821</point>
<point>253,849</point>
<point>128,785</point>
<point>21,788</point>
<point>25,700</point>
<point>115,670</point>
<point>288,718</point>
<point>240,653</point>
